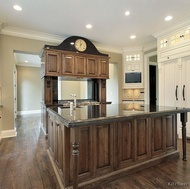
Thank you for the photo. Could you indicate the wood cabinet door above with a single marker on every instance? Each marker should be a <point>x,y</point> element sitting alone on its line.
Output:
<point>92,67</point>
<point>103,69</point>
<point>48,98</point>
<point>67,64</point>
<point>164,134</point>
<point>80,66</point>
<point>53,63</point>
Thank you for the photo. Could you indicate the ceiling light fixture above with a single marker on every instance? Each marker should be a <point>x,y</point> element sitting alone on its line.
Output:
<point>168,18</point>
<point>88,26</point>
<point>132,36</point>
<point>17,7</point>
<point>127,13</point>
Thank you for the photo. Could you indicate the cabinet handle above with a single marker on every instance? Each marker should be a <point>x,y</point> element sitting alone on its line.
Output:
<point>176,89</point>
<point>184,92</point>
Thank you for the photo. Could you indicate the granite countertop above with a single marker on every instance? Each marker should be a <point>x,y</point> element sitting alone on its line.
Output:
<point>85,115</point>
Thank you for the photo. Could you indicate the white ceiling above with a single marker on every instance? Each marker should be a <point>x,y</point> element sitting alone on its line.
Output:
<point>111,27</point>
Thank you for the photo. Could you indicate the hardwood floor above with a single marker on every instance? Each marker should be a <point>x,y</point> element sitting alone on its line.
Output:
<point>24,164</point>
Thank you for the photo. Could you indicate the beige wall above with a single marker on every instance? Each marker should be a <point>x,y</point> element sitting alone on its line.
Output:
<point>7,46</point>
<point>29,89</point>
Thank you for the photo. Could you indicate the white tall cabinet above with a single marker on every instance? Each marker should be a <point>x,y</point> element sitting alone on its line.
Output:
<point>174,71</point>
<point>174,82</point>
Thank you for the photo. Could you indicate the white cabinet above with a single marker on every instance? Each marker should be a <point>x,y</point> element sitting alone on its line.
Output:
<point>174,85</point>
<point>133,63</point>
<point>174,45</point>
<point>179,37</point>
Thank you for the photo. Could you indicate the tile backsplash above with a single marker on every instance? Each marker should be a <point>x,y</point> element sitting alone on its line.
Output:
<point>133,94</point>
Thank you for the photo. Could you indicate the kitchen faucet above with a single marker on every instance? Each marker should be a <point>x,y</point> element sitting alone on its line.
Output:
<point>75,101</point>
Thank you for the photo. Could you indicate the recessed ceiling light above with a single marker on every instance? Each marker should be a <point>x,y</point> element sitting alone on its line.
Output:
<point>88,26</point>
<point>168,18</point>
<point>132,36</point>
<point>17,7</point>
<point>127,13</point>
<point>26,61</point>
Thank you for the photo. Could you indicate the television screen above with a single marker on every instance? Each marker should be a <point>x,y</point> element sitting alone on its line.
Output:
<point>133,77</point>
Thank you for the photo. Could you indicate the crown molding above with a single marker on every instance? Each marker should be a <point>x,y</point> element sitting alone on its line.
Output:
<point>31,34</point>
<point>135,48</point>
<point>165,31</point>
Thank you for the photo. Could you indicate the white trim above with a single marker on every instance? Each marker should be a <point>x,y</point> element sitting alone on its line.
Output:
<point>9,133</point>
<point>28,112</point>
<point>168,30</point>
<point>146,76</point>
<point>31,34</point>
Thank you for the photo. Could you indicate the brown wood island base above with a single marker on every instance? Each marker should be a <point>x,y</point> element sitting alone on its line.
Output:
<point>94,144</point>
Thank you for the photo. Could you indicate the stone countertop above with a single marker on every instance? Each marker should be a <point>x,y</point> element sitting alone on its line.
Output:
<point>106,113</point>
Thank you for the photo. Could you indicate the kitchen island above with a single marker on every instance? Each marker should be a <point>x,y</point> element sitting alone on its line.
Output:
<point>92,144</point>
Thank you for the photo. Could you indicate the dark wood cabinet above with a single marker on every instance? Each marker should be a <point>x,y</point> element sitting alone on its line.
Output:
<point>52,64</point>
<point>49,90</point>
<point>103,69</point>
<point>92,67</point>
<point>67,64</point>
<point>104,148</point>
<point>80,66</point>
<point>164,134</point>
<point>64,63</point>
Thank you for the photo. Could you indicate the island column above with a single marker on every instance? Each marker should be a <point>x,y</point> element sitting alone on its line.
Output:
<point>75,155</point>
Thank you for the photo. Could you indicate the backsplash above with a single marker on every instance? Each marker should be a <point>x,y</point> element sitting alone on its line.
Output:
<point>133,94</point>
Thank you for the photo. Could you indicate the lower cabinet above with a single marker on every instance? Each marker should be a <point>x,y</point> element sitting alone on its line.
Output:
<point>110,147</point>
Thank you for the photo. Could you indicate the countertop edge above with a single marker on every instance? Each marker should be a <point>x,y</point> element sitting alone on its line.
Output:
<point>104,120</point>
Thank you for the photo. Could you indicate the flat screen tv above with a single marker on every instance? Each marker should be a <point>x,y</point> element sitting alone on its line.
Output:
<point>133,77</point>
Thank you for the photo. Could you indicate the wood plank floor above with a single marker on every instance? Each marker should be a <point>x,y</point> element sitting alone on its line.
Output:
<point>24,164</point>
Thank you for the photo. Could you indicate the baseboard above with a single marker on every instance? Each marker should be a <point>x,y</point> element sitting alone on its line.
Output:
<point>9,133</point>
<point>29,112</point>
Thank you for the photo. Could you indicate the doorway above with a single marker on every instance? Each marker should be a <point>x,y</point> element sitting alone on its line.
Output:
<point>152,85</point>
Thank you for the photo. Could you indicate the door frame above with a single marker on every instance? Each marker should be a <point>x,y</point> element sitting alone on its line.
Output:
<point>146,77</point>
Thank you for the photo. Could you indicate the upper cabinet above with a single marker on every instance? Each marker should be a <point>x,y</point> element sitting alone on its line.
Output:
<point>52,66</point>
<point>103,68</point>
<point>133,69</point>
<point>60,63</point>
<point>76,57</point>
<point>173,45</point>
<point>67,64</point>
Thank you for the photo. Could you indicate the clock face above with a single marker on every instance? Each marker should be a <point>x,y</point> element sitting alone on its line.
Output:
<point>80,45</point>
